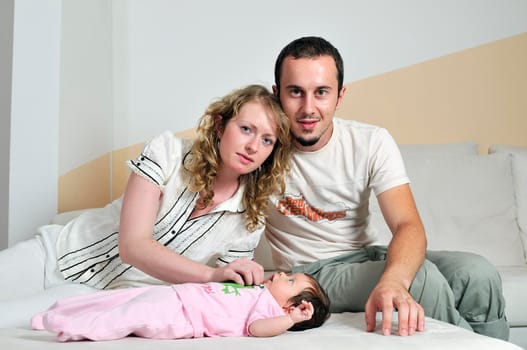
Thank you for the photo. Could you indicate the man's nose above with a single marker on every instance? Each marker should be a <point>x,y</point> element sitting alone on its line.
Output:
<point>309,104</point>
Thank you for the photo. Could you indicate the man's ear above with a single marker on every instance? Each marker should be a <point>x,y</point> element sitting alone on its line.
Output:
<point>342,92</point>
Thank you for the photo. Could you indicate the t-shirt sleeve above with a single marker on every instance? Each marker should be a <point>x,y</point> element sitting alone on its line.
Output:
<point>265,307</point>
<point>386,166</point>
<point>158,160</point>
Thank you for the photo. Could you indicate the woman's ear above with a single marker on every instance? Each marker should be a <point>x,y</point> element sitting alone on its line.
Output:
<point>218,125</point>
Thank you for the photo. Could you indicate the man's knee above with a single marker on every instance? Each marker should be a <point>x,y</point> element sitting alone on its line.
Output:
<point>464,266</point>
<point>432,291</point>
<point>470,276</point>
<point>476,288</point>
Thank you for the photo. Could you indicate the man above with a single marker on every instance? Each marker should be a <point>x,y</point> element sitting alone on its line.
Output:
<point>320,225</point>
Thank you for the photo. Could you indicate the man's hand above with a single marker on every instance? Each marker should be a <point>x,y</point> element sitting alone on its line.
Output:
<point>386,297</point>
<point>242,271</point>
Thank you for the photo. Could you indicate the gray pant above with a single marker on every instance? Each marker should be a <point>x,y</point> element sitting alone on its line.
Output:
<point>460,288</point>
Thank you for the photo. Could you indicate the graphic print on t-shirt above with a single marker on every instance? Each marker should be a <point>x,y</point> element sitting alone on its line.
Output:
<point>298,206</point>
<point>233,288</point>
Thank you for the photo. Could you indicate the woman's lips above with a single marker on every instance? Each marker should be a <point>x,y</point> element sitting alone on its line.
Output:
<point>244,159</point>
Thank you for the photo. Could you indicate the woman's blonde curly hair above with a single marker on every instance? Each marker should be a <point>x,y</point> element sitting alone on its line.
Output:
<point>203,161</point>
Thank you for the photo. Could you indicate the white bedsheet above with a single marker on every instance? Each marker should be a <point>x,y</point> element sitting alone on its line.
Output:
<point>341,331</point>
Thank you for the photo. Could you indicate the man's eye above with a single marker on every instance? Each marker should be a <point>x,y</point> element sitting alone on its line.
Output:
<point>322,92</point>
<point>296,92</point>
<point>290,281</point>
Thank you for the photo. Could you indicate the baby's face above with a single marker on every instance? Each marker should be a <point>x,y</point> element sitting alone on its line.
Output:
<point>283,286</point>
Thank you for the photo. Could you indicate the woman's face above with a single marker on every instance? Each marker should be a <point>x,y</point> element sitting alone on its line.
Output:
<point>248,139</point>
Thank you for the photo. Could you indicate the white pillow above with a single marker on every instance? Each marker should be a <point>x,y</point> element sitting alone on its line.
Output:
<point>467,203</point>
<point>436,150</point>
<point>65,217</point>
<point>507,149</point>
<point>519,171</point>
<point>414,154</point>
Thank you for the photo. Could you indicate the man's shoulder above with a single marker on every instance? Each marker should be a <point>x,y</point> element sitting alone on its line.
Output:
<point>357,128</point>
<point>354,124</point>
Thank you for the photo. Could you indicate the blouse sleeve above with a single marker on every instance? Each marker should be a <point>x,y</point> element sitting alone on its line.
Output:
<point>159,159</point>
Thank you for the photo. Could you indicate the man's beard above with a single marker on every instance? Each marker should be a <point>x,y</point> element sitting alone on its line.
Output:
<point>307,142</point>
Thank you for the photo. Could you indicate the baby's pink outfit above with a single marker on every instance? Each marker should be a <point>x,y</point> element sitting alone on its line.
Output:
<point>188,310</point>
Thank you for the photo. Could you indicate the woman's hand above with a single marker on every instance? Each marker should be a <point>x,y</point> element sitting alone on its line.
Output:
<point>242,271</point>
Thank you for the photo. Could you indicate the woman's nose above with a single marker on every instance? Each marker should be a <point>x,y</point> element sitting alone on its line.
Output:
<point>252,146</point>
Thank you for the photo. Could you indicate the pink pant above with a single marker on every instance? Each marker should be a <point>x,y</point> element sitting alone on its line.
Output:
<point>149,312</point>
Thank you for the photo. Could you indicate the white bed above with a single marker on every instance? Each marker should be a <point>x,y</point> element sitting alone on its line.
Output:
<point>342,331</point>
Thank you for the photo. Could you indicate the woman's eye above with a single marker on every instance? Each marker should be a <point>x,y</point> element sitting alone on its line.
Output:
<point>268,142</point>
<point>245,129</point>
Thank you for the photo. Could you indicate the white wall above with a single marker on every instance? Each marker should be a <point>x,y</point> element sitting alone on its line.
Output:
<point>33,158</point>
<point>6,64</point>
<point>86,107</point>
<point>171,58</point>
<point>95,75</point>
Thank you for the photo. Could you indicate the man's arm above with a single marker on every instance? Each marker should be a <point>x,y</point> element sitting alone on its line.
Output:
<point>406,253</point>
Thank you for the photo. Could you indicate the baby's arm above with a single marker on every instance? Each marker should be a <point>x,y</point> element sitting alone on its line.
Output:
<point>269,327</point>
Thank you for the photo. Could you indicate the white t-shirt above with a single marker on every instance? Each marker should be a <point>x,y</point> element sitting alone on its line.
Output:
<point>87,247</point>
<point>324,212</point>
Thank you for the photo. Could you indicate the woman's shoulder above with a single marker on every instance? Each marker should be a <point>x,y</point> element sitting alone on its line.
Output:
<point>169,139</point>
<point>168,145</point>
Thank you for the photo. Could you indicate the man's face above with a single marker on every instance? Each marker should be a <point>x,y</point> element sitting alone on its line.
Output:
<point>309,95</point>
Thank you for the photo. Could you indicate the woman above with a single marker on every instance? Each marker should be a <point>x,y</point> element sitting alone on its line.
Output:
<point>191,212</point>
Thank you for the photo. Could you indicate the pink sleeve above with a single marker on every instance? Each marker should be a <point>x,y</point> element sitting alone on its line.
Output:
<point>266,307</point>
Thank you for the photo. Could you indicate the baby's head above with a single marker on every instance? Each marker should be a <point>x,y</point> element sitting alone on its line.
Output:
<point>291,290</point>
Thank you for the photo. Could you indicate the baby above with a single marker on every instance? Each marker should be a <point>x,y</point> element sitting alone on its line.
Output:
<point>190,310</point>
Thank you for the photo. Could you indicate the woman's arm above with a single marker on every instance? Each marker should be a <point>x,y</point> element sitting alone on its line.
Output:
<point>138,248</point>
<point>272,326</point>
